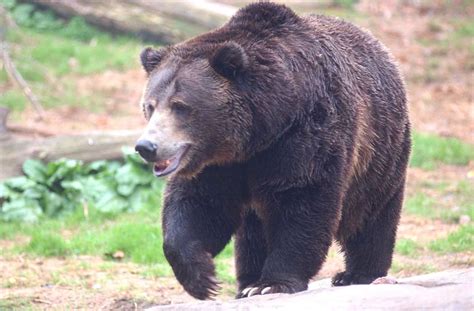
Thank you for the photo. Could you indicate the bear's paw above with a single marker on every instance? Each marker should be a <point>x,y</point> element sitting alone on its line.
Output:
<point>272,287</point>
<point>349,278</point>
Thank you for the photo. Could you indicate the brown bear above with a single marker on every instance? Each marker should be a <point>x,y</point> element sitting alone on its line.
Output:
<point>285,132</point>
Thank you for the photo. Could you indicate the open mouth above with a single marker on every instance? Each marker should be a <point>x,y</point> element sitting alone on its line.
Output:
<point>168,166</point>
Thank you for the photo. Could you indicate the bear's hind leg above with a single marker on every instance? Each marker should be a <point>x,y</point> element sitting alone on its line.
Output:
<point>368,254</point>
<point>299,228</point>
<point>250,250</point>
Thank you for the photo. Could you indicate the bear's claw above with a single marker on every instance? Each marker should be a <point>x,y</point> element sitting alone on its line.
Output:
<point>253,291</point>
<point>348,278</point>
<point>203,288</point>
<point>196,274</point>
<point>265,288</point>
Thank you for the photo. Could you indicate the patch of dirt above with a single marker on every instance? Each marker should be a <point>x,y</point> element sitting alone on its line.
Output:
<point>423,230</point>
<point>438,72</point>
<point>121,92</point>
<point>448,175</point>
<point>86,282</point>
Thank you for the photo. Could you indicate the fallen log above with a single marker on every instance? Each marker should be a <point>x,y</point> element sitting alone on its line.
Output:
<point>86,147</point>
<point>448,290</point>
<point>165,22</point>
<point>199,12</point>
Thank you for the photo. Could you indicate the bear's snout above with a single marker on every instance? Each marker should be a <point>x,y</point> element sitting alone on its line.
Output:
<point>146,149</point>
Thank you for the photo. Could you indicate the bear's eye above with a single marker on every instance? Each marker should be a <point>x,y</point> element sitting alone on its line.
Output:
<point>180,108</point>
<point>149,109</point>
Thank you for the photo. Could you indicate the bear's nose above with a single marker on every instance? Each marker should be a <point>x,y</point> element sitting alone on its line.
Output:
<point>146,149</point>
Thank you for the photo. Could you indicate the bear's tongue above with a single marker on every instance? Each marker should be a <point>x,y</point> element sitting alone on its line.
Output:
<point>164,167</point>
<point>161,166</point>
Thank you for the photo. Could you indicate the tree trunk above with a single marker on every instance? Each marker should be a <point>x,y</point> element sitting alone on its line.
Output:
<point>86,147</point>
<point>162,21</point>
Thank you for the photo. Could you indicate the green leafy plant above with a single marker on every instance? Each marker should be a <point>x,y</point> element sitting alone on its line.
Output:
<point>63,186</point>
<point>28,15</point>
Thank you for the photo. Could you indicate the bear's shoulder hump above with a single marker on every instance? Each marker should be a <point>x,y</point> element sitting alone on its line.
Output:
<point>271,14</point>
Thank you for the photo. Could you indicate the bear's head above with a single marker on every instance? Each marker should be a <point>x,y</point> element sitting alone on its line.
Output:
<point>193,106</point>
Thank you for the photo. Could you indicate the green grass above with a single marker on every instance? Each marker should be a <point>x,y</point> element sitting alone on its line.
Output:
<point>51,61</point>
<point>16,303</point>
<point>223,268</point>
<point>62,56</point>
<point>429,150</point>
<point>47,244</point>
<point>420,205</point>
<point>138,235</point>
<point>411,269</point>
<point>13,99</point>
<point>465,29</point>
<point>157,270</point>
<point>37,53</point>
<point>3,76</point>
<point>466,197</point>
<point>46,47</point>
<point>458,37</point>
<point>341,12</point>
<point>346,4</point>
<point>458,241</point>
<point>462,36</point>
<point>425,206</point>
<point>407,247</point>
<point>67,95</point>
<point>140,242</point>
<point>73,221</point>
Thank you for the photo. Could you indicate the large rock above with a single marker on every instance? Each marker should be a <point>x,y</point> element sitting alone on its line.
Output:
<point>449,290</point>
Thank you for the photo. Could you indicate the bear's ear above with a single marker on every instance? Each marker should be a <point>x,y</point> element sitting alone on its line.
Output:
<point>150,58</point>
<point>229,60</point>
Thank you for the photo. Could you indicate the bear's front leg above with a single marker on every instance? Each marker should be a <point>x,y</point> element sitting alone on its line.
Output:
<point>300,227</point>
<point>199,217</point>
<point>193,267</point>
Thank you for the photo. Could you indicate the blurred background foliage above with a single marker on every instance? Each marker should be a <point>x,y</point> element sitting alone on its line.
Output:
<point>104,217</point>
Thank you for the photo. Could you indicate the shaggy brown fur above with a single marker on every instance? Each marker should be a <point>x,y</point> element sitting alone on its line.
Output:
<point>295,131</point>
